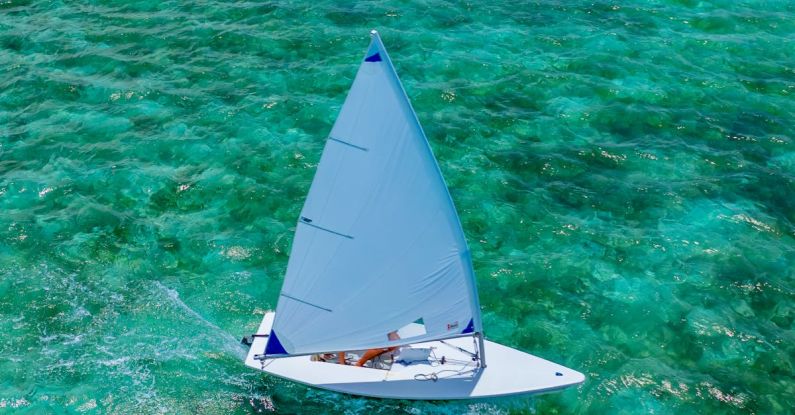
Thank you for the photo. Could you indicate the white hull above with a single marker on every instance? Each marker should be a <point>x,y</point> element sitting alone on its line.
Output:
<point>508,372</point>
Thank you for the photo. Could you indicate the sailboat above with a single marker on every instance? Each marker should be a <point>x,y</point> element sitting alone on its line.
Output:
<point>379,262</point>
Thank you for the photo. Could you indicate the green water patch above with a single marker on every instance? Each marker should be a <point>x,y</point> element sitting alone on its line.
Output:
<point>623,172</point>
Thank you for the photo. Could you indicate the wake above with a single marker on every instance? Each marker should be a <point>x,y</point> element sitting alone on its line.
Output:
<point>228,342</point>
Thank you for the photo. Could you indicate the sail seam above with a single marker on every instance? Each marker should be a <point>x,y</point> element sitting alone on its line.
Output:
<point>348,144</point>
<point>305,302</point>
<point>327,230</point>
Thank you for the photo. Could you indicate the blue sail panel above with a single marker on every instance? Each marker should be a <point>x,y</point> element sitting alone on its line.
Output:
<point>373,58</point>
<point>274,346</point>
<point>470,328</point>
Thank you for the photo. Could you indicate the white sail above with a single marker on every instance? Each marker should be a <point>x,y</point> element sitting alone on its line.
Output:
<point>378,244</point>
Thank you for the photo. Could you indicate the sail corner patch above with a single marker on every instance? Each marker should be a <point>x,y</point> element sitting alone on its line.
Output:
<point>470,327</point>
<point>274,346</point>
<point>373,58</point>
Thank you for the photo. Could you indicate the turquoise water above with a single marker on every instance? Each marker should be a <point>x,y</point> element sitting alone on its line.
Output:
<point>624,171</point>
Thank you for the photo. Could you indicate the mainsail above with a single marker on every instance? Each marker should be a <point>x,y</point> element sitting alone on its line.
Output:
<point>378,245</point>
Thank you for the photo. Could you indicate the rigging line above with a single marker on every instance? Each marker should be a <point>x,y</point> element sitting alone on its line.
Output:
<point>348,144</point>
<point>445,360</point>
<point>324,229</point>
<point>434,376</point>
<point>475,346</point>
<point>474,355</point>
<point>304,302</point>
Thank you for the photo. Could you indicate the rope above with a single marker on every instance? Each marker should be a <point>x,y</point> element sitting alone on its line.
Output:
<point>434,376</point>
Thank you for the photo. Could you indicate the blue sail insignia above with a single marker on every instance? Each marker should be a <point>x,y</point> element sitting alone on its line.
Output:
<point>470,328</point>
<point>274,346</point>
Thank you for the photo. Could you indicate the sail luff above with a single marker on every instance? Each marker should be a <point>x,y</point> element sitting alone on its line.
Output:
<point>472,282</point>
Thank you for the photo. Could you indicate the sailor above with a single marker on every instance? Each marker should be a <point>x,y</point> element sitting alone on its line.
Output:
<point>373,353</point>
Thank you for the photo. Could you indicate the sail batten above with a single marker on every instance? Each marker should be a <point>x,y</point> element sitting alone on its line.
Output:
<point>347,143</point>
<point>379,244</point>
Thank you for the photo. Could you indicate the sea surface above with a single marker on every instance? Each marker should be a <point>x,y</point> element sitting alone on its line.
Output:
<point>624,172</point>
